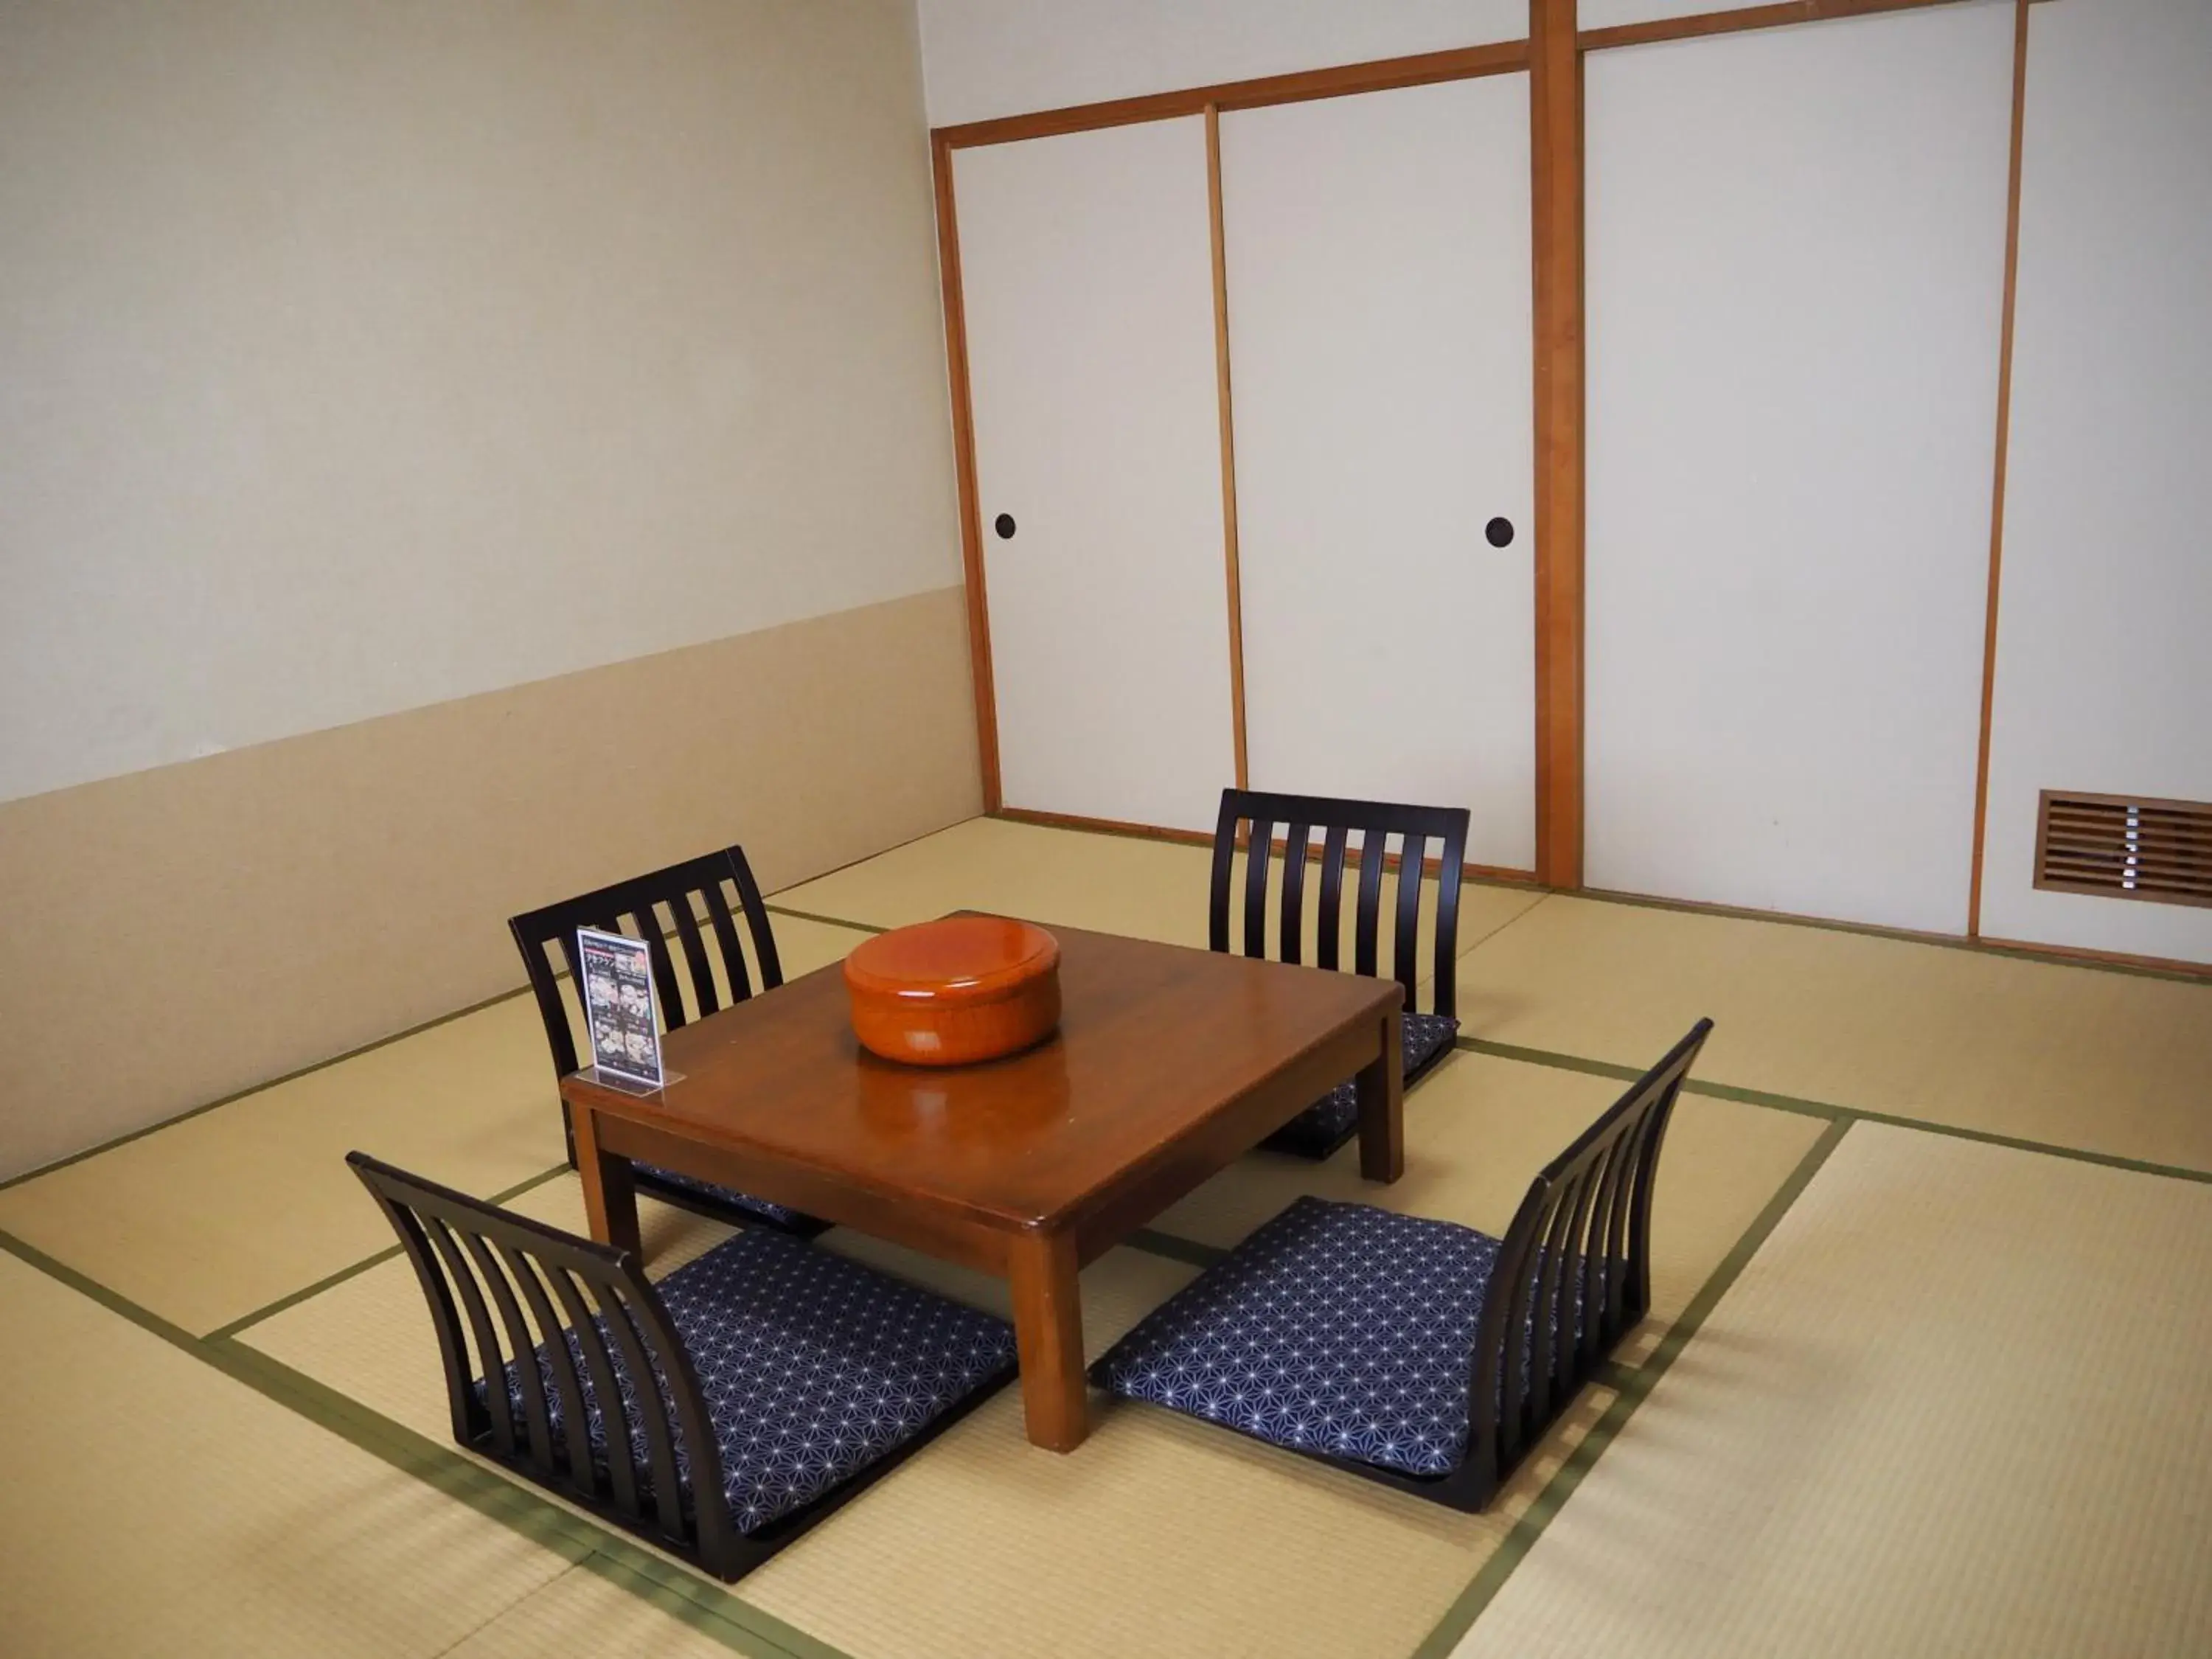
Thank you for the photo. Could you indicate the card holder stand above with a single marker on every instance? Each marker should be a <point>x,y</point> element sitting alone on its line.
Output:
<point>629,1085</point>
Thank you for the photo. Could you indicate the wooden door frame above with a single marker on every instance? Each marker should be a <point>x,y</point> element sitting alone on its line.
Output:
<point>1552,54</point>
<point>1224,415</point>
<point>1555,150</point>
<point>2003,452</point>
<point>963,464</point>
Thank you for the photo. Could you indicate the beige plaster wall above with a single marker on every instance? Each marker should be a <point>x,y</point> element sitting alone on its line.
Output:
<point>179,933</point>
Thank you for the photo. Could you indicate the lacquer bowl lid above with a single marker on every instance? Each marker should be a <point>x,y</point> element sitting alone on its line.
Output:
<point>958,959</point>
<point>954,992</point>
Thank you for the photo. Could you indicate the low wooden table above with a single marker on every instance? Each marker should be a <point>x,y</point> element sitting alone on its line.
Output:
<point>1168,1065</point>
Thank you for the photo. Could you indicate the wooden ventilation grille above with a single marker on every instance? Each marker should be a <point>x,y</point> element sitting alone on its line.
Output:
<point>2120,848</point>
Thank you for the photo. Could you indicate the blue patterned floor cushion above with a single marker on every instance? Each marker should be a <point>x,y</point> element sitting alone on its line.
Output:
<point>724,1198</point>
<point>1336,1328</point>
<point>812,1367</point>
<point>1321,1128</point>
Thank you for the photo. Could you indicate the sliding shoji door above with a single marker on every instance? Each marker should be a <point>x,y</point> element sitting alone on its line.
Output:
<point>1377,259</point>
<point>1087,281</point>
<point>1795,270</point>
<point>2104,672</point>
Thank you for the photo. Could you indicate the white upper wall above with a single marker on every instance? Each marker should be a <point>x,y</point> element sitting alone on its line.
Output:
<point>356,357</point>
<point>989,58</point>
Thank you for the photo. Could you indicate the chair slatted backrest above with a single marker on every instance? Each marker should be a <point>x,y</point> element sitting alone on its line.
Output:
<point>1574,1272</point>
<point>686,900</point>
<point>1262,816</point>
<point>501,1288</point>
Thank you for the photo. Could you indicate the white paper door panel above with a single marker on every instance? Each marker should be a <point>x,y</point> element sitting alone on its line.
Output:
<point>1377,254</point>
<point>1087,278</point>
<point>2104,676</point>
<point>1796,254</point>
<point>1611,14</point>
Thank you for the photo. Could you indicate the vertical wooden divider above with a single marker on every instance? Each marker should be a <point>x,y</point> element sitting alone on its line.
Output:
<point>1228,442</point>
<point>1555,110</point>
<point>963,462</point>
<point>2004,441</point>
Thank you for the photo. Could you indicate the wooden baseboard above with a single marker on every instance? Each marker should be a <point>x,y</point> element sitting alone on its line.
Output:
<point>1103,826</point>
<point>2078,954</point>
<point>1752,912</point>
<point>1488,872</point>
<point>2058,953</point>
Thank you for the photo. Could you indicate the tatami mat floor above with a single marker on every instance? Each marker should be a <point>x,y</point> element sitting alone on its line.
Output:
<point>218,1215</point>
<point>154,1505</point>
<point>1478,1128</point>
<point>1955,1406</point>
<point>2087,1059</point>
<point>1113,883</point>
<point>587,1616</point>
<point>220,1332</point>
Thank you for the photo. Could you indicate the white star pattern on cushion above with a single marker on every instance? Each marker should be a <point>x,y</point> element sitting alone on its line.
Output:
<point>1317,1131</point>
<point>1336,1328</point>
<point>811,1366</point>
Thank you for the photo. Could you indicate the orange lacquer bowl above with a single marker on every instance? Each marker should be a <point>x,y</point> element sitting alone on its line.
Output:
<point>954,992</point>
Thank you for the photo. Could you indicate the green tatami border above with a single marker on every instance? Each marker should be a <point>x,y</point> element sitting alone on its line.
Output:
<point>723,1615</point>
<point>1822,1108</point>
<point>827,922</point>
<point>1507,1051</point>
<point>331,1281</point>
<point>704,1604</point>
<point>1635,1387</point>
<point>2053,957</point>
<point>1768,1098</point>
<point>190,1112</point>
<point>1150,1240</point>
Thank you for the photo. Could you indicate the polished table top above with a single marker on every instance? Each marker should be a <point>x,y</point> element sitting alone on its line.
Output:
<point>1168,1065</point>
<point>1155,1041</point>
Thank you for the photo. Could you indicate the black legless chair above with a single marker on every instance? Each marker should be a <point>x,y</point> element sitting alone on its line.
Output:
<point>719,1413</point>
<point>1326,1124</point>
<point>1419,1353</point>
<point>655,905</point>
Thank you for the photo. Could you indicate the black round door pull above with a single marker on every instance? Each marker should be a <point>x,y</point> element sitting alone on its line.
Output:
<point>1499,532</point>
<point>1004,524</point>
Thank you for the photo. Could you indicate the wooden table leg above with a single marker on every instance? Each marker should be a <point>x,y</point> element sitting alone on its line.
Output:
<point>610,1194</point>
<point>1382,1091</point>
<point>1048,1337</point>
